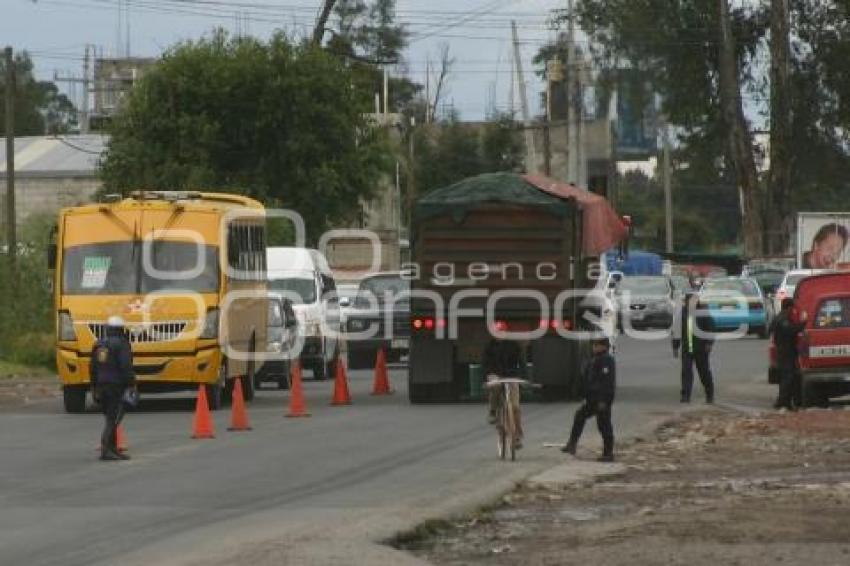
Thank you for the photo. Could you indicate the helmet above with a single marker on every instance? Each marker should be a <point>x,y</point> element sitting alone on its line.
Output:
<point>115,322</point>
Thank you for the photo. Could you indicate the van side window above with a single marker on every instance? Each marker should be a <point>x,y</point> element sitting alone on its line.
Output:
<point>833,313</point>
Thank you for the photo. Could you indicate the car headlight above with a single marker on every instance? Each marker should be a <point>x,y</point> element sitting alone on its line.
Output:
<point>210,330</point>
<point>66,327</point>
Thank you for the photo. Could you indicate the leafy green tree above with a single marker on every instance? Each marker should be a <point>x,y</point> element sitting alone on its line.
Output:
<point>39,106</point>
<point>277,121</point>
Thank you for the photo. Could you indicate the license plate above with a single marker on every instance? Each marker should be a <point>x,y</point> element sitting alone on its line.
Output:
<point>399,343</point>
<point>837,351</point>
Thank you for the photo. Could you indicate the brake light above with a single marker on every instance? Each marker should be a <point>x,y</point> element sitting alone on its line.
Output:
<point>501,325</point>
<point>553,324</point>
<point>429,323</point>
<point>417,323</point>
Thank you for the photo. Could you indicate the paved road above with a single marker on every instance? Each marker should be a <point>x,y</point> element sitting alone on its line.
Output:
<point>296,491</point>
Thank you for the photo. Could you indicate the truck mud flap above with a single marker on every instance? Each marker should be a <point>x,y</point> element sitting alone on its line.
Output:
<point>431,362</point>
<point>557,365</point>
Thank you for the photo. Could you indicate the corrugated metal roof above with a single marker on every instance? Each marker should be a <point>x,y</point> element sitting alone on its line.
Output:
<point>49,156</point>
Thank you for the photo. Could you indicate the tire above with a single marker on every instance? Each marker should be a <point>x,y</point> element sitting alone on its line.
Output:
<point>503,444</point>
<point>74,398</point>
<point>330,368</point>
<point>214,396</point>
<point>813,396</point>
<point>249,380</point>
<point>319,370</point>
<point>362,358</point>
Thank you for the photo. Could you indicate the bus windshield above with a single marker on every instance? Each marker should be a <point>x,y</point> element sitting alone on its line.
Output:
<point>116,268</point>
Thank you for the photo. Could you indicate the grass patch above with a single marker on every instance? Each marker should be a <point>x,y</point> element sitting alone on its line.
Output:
<point>9,370</point>
<point>419,535</point>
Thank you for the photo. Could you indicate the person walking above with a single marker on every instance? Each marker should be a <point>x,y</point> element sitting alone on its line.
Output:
<point>111,376</point>
<point>692,339</point>
<point>784,331</point>
<point>600,382</point>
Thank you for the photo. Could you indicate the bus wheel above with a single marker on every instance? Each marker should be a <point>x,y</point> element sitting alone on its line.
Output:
<point>250,371</point>
<point>74,398</point>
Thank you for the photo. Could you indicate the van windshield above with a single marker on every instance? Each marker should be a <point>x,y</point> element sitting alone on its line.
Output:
<point>303,290</point>
<point>116,268</point>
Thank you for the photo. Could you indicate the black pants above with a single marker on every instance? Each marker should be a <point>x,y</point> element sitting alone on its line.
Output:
<point>790,388</point>
<point>603,422</point>
<point>701,360</point>
<point>112,402</point>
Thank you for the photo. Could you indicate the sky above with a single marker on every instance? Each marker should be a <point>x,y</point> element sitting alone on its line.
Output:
<point>477,32</point>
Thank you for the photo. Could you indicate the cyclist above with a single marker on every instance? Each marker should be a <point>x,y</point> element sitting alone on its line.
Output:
<point>503,359</point>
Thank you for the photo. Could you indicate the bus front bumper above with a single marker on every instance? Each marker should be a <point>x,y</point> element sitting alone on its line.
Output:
<point>152,371</point>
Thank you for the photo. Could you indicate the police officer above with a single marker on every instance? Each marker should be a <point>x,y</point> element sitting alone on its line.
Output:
<point>111,375</point>
<point>784,331</point>
<point>692,339</point>
<point>600,382</point>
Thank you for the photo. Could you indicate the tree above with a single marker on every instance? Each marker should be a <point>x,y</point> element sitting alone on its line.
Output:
<point>277,121</point>
<point>39,106</point>
<point>708,67</point>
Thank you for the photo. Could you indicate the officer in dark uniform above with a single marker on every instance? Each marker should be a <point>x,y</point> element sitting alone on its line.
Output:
<point>111,375</point>
<point>784,331</point>
<point>692,337</point>
<point>600,383</point>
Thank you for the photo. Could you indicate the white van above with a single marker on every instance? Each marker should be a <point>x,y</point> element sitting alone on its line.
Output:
<point>303,276</point>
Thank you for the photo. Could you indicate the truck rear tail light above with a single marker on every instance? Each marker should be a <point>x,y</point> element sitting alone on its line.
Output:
<point>429,324</point>
<point>501,325</point>
<point>417,323</point>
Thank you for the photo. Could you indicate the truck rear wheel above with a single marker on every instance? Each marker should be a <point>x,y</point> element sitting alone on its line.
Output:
<point>74,398</point>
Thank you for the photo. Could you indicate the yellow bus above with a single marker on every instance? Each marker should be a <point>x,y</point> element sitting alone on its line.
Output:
<point>186,271</point>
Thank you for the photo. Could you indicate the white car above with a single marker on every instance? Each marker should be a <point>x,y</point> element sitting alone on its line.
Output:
<point>789,284</point>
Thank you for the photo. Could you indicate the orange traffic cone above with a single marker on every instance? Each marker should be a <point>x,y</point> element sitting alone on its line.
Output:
<point>120,439</point>
<point>202,427</point>
<point>238,414</point>
<point>381,385</point>
<point>297,407</point>
<point>341,394</point>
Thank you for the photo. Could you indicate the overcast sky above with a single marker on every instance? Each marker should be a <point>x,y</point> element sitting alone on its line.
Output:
<point>477,31</point>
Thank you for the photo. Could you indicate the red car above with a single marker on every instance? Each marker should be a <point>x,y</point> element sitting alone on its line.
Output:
<point>824,343</point>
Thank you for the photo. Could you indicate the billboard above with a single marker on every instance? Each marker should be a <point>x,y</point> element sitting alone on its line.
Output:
<point>637,128</point>
<point>822,240</point>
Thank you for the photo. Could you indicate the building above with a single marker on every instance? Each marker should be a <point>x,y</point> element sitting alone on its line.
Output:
<point>52,173</point>
<point>113,80</point>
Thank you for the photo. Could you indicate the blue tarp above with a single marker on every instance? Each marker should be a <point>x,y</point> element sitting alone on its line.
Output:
<point>635,263</point>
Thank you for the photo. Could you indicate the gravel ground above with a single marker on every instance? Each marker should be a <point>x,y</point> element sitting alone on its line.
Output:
<point>712,488</point>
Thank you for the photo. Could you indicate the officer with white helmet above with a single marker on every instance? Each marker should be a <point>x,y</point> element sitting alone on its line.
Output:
<point>112,378</point>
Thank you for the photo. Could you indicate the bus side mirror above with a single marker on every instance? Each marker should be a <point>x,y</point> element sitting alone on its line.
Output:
<point>51,256</point>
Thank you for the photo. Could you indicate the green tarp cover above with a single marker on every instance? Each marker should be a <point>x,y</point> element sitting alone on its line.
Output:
<point>509,188</point>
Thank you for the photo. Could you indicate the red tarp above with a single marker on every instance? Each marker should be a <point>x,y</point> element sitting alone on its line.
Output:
<point>602,227</point>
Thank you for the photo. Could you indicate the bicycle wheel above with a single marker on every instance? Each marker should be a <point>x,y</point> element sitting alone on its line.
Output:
<point>510,425</point>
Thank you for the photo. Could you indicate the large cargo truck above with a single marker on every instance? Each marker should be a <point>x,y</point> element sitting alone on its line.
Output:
<point>504,256</point>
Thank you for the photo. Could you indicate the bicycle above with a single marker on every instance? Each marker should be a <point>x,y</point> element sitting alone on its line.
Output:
<point>508,413</point>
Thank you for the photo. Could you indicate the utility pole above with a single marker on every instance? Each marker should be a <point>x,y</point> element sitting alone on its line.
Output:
<point>85,80</point>
<point>321,22</point>
<point>739,144</point>
<point>572,71</point>
<point>523,99</point>
<point>668,192</point>
<point>11,240</point>
<point>778,220</point>
<point>428,90</point>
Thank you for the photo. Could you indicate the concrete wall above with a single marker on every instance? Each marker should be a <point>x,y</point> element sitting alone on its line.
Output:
<point>47,195</point>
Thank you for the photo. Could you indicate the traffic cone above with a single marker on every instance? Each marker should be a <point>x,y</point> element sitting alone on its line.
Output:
<point>120,439</point>
<point>381,385</point>
<point>297,407</point>
<point>341,394</point>
<point>238,414</point>
<point>202,427</point>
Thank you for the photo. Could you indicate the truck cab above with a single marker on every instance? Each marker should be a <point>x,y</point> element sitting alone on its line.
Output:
<point>824,343</point>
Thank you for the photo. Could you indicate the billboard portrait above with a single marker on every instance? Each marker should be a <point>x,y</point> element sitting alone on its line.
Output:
<point>822,240</point>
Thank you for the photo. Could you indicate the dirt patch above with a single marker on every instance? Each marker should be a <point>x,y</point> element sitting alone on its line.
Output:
<point>711,488</point>
<point>25,386</point>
